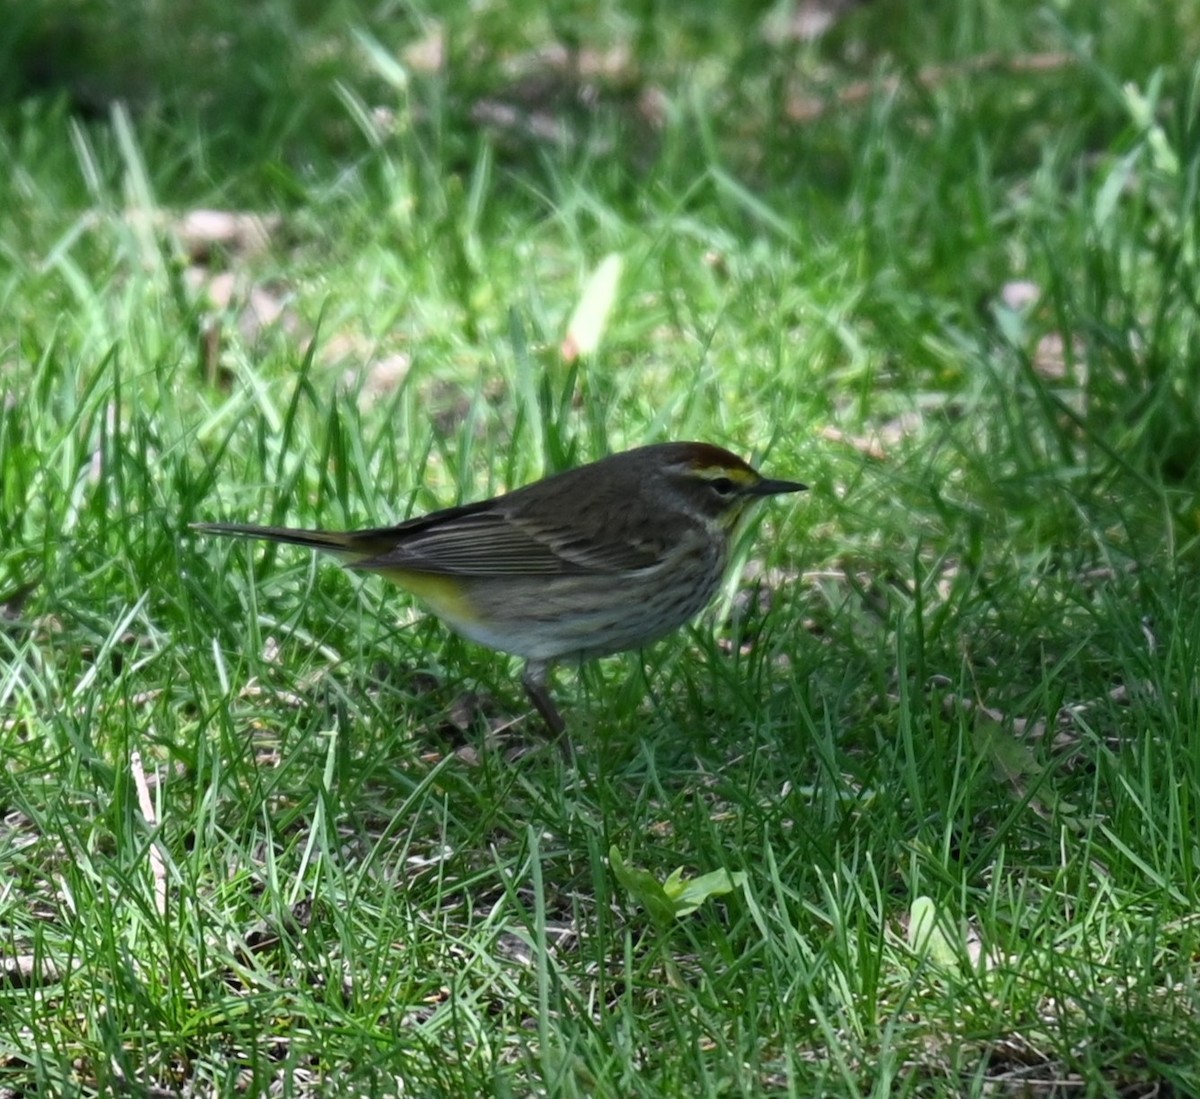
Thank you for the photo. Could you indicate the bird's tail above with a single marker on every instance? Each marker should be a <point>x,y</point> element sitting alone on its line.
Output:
<point>347,544</point>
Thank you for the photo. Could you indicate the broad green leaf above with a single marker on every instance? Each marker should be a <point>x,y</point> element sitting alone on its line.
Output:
<point>690,895</point>
<point>643,888</point>
<point>676,897</point>
<point>925,934</point>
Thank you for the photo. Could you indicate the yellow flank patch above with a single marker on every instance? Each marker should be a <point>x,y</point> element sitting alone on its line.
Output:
<point>444,595</point>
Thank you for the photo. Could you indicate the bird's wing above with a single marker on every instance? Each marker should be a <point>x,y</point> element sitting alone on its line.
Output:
<point>470,542</point>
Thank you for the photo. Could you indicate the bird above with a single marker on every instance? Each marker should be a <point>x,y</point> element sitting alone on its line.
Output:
<point>598,559</point>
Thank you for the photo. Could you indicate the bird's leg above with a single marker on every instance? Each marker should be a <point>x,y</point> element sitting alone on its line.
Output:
<point>533,679</point>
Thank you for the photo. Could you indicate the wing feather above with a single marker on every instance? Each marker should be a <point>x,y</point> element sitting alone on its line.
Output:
<point>491,543</point>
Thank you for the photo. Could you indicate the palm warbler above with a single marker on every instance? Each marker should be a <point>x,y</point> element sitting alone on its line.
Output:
<point>596,560</point>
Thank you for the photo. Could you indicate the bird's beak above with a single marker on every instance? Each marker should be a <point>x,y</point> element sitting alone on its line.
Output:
<point>767,487</point>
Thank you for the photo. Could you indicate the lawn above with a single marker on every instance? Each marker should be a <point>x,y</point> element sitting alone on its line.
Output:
<point>913,809</point>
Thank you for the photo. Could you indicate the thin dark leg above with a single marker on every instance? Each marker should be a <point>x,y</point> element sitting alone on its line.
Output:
<point>533,679</point>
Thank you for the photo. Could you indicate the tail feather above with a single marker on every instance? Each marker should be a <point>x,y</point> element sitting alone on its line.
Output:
<point>336,541</point>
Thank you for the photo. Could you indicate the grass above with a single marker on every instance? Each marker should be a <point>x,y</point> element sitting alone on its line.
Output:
<point>266,827</point>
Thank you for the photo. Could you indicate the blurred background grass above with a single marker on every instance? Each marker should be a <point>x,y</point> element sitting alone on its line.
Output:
<point>315,262</point>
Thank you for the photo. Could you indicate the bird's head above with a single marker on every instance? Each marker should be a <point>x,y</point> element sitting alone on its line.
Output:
<point>712,482</point>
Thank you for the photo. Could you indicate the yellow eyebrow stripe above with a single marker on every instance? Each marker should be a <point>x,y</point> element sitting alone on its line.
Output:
<point>737,476</point>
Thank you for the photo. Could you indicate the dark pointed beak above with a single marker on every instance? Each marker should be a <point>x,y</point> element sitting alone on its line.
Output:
<point>767,487</point>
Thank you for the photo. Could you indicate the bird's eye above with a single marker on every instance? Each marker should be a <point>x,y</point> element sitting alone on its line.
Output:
<point>722,486</point>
